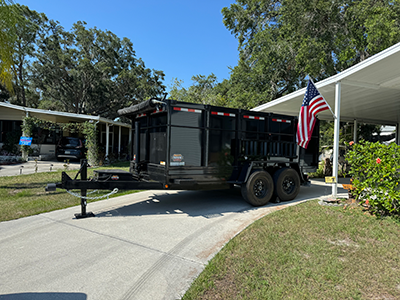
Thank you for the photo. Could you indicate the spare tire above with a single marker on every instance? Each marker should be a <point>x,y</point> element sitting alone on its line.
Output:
<point>286,184</point>
<point>258,189</point>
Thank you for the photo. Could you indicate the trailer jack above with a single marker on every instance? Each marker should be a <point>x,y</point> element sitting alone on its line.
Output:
<point>83,172</point>
<point>112,180</point>
<point>51,187</point>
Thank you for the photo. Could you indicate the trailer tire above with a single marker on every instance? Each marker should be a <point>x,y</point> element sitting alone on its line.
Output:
<point>286,184</point>
<point>258,189</point>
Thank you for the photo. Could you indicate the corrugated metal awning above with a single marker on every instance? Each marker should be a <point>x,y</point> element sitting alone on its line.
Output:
<point>370,92</point>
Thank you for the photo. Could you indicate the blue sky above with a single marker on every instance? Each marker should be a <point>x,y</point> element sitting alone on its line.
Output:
<point>181,38</point>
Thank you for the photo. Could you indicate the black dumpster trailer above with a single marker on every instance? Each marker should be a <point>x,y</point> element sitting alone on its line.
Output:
<point>186,146</point>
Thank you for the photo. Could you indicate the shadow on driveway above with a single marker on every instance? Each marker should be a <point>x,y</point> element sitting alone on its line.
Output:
<point>44,296</point>
<point>207,204</point>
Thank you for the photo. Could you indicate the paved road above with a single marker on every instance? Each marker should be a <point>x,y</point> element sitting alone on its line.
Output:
<point>149,245</point>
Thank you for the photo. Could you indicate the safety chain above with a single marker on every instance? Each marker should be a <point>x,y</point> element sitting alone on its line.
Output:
<point>114,191</point>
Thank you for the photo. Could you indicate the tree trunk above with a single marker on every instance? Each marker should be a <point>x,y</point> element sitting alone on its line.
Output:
<point>21,81</point>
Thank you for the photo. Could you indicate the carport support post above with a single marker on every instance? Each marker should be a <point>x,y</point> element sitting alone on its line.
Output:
<point>107,139</point>
<point>336,138</point>
<point>355,137</point>
<point>24,152</point>
<point>83,172</point>
<point>130,144</point>
<point>119,141</point>
<point>397,134</point>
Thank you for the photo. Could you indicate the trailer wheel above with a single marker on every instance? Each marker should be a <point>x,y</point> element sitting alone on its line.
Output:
<point>258,189</point>
<point>286,184</point>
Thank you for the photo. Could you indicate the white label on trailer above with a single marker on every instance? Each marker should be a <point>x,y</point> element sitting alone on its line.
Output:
<point>177,163</point>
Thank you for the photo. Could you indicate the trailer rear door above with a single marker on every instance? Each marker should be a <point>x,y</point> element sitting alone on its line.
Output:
<point>187,136</point>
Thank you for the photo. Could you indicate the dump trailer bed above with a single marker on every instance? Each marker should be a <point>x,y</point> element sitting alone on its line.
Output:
<point>187,146</point>
<point>191,146</point>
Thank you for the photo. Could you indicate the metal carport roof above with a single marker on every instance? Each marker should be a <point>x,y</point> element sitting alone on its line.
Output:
<point>53,116</point>
<point>15,112</point>
<point>370,92</point>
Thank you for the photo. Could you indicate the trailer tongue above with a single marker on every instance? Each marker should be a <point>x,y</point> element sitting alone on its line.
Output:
<point>186,146</point>
<point>108,180</point>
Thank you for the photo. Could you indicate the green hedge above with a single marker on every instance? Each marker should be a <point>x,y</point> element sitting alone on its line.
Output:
<point>375,170</point>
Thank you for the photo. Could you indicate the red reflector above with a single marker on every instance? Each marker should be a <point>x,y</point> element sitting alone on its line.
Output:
<point>222,114</point>
<point>188,109</point>
<point>157,111</point>
<point>253,117</point>
<point>281,121</point>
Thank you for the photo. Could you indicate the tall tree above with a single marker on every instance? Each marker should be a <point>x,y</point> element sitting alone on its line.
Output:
<point>27,30</point>
<point>203,90</point>
<point>283,41</point>
<point>177,91</point>
<point>92,71</point>
<point>8,21</point>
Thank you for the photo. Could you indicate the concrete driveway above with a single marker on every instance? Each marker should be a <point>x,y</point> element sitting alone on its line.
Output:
<point>149,245</point>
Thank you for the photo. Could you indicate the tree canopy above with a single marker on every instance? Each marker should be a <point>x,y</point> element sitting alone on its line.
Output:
<point>91,71</point>
<point>201,91</point>
<point>8,21</point>
<point>84,70</point>
<point>283,42</point>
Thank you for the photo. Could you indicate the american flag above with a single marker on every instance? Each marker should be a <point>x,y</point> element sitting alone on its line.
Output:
<point>313,103</point>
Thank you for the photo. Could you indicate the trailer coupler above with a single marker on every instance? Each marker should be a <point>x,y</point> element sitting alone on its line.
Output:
<point>51,187</point>
<point>112,180</point>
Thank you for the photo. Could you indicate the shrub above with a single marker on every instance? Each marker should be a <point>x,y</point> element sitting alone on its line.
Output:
<point>319,173</point>
<point>374,168</point>
<point>11,143</point>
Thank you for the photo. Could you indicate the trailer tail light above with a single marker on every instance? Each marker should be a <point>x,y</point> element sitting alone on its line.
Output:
<point>156,111</point>
<point>166,186</point>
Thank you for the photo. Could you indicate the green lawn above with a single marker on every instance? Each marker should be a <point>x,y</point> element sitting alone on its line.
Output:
<point>24,195</point>
<point>307,251</point>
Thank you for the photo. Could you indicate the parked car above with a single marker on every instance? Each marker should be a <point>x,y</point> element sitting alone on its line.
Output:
<point>70,148</point>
